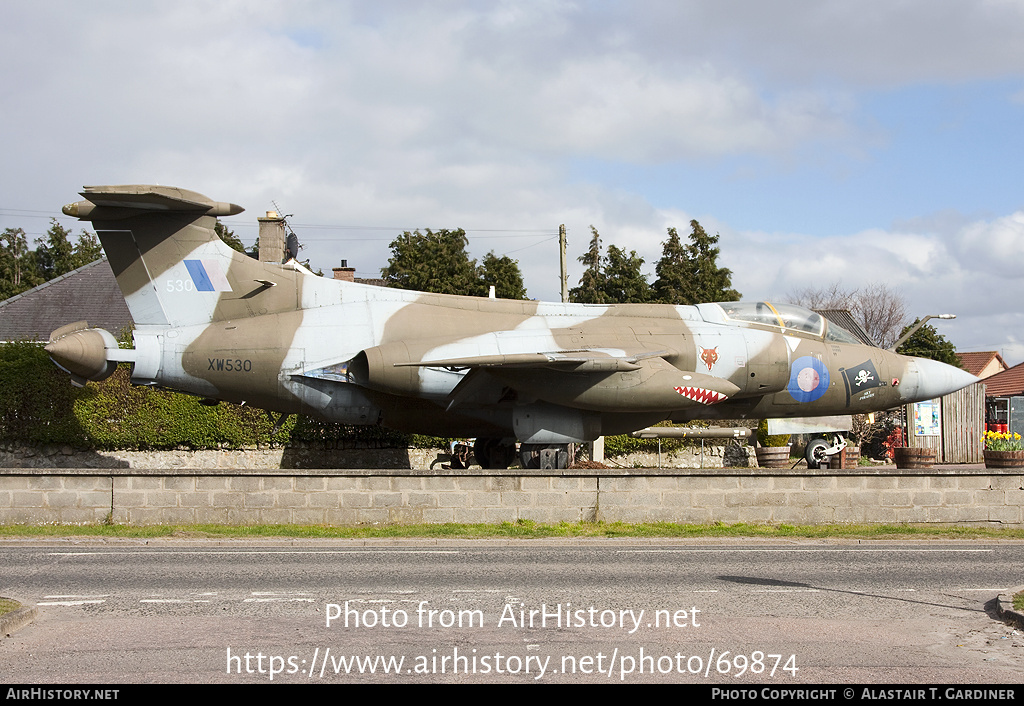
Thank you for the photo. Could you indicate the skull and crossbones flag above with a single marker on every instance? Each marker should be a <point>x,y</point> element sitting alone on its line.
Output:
<point>859,378</point>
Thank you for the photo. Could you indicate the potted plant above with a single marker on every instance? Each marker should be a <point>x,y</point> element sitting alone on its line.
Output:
<point>914,457</point>
<point>1003,450</point>
<point>772,449</point>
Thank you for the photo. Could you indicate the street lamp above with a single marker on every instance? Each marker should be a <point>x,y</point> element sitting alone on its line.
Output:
<point>919,324</point>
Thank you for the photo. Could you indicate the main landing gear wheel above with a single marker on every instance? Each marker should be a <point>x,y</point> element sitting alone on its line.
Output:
<point>544,455</point>
<point>817,453</point>
<point>494,453</point>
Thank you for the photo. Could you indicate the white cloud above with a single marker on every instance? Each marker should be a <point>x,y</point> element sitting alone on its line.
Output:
<point>973,271</point>
<point>465,114</point>
<point>996,247</point>
<point>875,43</point>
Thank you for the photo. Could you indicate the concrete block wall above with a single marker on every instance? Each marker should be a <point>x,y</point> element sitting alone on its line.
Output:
<point>350,500</point>
<point>66,499</point>
<point>324,456</point>
<point>872,497</point>
<point>352,497</point>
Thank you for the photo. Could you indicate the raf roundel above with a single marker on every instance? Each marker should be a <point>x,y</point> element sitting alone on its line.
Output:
<point>808,379</point>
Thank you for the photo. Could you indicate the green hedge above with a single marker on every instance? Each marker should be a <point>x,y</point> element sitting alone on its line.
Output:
<point>39,405</point>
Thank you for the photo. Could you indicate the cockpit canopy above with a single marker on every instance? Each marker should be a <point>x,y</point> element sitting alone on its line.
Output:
<point>785,318</point>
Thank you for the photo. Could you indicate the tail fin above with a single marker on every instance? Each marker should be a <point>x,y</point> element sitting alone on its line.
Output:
<point>170,265</point>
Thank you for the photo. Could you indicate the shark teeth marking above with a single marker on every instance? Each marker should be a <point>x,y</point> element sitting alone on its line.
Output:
<point>699,394</point>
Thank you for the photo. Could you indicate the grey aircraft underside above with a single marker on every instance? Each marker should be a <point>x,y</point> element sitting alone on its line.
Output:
<point>215,323</point>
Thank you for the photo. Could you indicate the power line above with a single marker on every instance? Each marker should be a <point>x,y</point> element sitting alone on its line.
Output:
<point>535,231</point>
<point>510,232</point>
<point>541,242</point>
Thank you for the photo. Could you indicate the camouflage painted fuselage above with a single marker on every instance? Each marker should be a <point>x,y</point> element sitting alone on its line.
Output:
<point>215,323</point>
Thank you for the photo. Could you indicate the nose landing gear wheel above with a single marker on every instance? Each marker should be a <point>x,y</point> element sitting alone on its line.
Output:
<point>816,453</point>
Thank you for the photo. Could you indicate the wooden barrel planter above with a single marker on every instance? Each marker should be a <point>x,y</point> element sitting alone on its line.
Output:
<point>772,456</point>
<point>1004,459</point>
<point>907,457</point>
<point>852,458</point>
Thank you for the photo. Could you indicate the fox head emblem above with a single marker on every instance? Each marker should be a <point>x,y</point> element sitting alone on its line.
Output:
<point>709,356</point>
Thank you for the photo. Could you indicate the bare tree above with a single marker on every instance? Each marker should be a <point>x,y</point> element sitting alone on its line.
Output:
<point>882,312</point>
<point>831,296</point>
<point>879,309</point>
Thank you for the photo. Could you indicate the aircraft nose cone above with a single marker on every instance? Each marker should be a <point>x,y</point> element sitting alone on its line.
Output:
<point>934,379</point>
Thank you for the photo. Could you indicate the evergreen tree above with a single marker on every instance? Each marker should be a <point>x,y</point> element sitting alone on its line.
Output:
<point>623,281</point>
<point>17,264</point>
<point>502,272</point>
<point>435,261</point>
<point>926,342</point>
<point>690,274</point>
<point>710,283</point>
<point>229,238</point>
<point>55,254</point>
<point>591,289</point>
<point>673,271</point>
<point>87,249</point>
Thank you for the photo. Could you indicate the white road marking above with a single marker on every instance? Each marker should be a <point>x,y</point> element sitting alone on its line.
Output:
<point>69,603</point>
<point>807,549</point>
<point>173,552</point>
<point>76,595</point>
<point>278,597</point>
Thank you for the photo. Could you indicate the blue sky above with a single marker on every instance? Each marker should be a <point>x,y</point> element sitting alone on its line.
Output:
<point>927,149</point>
<point>860,143</point>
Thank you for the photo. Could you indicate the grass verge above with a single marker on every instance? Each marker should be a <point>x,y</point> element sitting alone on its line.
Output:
<point>521,529</point>
<point>8,605</point>
<point>1018,602</point>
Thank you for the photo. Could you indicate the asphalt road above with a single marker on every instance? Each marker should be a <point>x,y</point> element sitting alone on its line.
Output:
<point>733,611</point>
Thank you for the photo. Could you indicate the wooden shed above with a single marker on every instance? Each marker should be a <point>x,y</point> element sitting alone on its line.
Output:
<point>952,425</point>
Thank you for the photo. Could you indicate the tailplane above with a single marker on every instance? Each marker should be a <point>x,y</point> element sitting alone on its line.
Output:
<point>171,267</point>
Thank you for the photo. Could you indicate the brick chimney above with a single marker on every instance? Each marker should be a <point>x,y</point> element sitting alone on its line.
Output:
<point>272,238</point>
<point>345,273</point>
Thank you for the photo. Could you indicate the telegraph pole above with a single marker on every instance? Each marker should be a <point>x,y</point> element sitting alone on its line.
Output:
<point>597,446</point>
<point>561,259</point>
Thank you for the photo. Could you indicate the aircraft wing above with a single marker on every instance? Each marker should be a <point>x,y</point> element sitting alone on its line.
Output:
<point>104,201</point>
<point>581,361</point>
<point>587,379</point>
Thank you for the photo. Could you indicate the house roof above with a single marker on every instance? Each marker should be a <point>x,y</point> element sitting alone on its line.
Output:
<point>976,362</point>
<point>1007,383</point>
<point>88,293</point>
<point>375,281</point>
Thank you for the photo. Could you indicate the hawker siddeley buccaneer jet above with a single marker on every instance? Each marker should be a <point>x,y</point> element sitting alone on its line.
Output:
<point>215,323</point>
